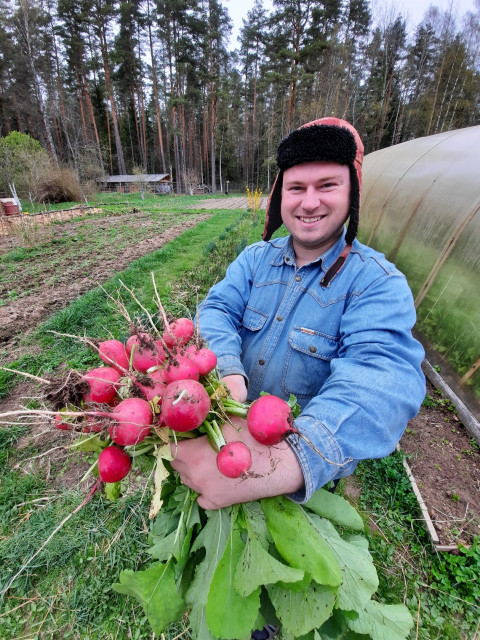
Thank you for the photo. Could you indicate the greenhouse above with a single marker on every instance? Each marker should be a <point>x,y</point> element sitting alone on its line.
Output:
<point>420,207</point>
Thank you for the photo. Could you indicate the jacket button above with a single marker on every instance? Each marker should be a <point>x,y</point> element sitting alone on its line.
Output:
<point>312,349</point>
<point>279,318</point>
<point>261,362</point>
<point>298,278</point>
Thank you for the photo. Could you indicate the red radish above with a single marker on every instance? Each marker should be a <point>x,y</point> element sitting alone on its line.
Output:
<point>159,375</point>
<point>133,419</point>
<point>205,359</point>
<point>102,381</point>
<point>182,369</point>
<point>185,405</point>
<point>113,464</point>
<point>59,424</point>
<point>151,388</point>
<point>234,459</point>
<point>114,353</point>
<point>178,332</point>
<point>270,420</point>
<point>147,352</point>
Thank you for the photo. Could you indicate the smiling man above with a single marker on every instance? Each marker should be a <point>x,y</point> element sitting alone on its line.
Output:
<point>315,314</point>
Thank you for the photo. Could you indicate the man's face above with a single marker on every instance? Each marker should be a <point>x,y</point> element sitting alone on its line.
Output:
<point>315,203</point>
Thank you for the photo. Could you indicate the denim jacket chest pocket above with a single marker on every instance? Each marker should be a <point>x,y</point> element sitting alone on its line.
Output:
<point>307,362</point>
<point>253,319</point>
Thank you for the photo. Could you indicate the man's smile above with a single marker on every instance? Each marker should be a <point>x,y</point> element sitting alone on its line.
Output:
<point>310,220</point>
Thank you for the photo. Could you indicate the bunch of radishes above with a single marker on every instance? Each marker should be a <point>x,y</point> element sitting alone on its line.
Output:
<point>146,382</point>
<point>156,380</point>
<point>165,383</point>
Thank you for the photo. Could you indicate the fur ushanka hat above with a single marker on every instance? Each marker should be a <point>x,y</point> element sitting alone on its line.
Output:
<point>330,140</point>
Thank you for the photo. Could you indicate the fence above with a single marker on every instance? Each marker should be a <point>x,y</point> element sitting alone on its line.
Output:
<point>25,224</point>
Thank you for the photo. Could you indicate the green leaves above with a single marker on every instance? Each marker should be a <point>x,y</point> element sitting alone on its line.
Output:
<point>360,580</point>
<point>229,614</point>
<point>336,509</point>
<point>302,611</point>
<point>383,621</point>
<point>213,538</point>
<point>257,567</point>
<point>156,591</point>
<point>230,564</point>
<point>293,536</point>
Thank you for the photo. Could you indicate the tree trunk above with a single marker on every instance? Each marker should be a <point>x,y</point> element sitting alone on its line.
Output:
<point>111,98</point>
<point>24,27</point>
<point>155,92</point>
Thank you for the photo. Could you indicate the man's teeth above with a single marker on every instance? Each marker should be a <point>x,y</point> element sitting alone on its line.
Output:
<point>309,220</point>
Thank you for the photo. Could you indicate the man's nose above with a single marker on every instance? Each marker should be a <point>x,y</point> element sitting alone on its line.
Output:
<point>311,199</point>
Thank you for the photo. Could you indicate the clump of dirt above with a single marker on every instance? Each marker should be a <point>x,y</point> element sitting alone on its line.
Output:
<point>445,462</point>
<point>66,390</point>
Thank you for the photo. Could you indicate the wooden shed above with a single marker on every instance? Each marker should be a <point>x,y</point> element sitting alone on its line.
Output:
<point>154,182</point>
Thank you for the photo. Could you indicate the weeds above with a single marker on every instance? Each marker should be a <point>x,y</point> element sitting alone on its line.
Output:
<point>408,567</point>
<point>441,402</point>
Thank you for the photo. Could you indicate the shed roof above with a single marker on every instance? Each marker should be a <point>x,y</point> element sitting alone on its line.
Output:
<point>145,177</point>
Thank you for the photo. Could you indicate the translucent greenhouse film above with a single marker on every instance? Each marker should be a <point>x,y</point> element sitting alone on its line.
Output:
<point>420,207</point>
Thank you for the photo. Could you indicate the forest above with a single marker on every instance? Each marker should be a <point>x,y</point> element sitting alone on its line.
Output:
<point>155,86</point>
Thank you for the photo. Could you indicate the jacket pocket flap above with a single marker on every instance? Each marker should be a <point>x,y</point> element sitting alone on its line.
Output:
<point>253,320</point>
<point>313,343</point>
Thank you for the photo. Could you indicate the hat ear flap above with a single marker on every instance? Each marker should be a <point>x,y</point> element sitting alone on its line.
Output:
<point>354,206</point>
<point>273,219</point>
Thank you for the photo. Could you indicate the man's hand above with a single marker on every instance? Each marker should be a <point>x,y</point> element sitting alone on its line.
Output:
<point>237,387</point>
<point>275,470</point>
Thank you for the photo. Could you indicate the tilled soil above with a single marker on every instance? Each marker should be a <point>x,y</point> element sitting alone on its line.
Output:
<point>42,286</point>
<point>445,462</point>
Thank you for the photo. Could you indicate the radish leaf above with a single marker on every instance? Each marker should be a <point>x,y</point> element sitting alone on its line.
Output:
<point>302,611</point>
<point>213,537</point>
<point>335,508</point>
<point>230,615</point>
<point>383,621</point>
<point>298,542</point>
<point>156,591</point>
<point>360,580</point>
<point>112,491</point>
<point>257,567</point>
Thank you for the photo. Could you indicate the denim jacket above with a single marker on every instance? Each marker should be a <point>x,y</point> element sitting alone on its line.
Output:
<point>346,352</point>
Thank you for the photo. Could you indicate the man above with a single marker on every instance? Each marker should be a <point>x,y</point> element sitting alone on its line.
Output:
<point>315,314</point>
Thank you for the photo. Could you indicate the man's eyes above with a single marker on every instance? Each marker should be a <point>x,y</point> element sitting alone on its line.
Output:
<point>325,185</point>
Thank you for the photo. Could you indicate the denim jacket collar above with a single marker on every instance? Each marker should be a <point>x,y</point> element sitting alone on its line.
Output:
<point>287,253</point>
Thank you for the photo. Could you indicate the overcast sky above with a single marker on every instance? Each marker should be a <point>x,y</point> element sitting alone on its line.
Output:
<point>412,10</point>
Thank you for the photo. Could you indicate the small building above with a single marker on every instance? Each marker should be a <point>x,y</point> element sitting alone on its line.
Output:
<point>153,182</point>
